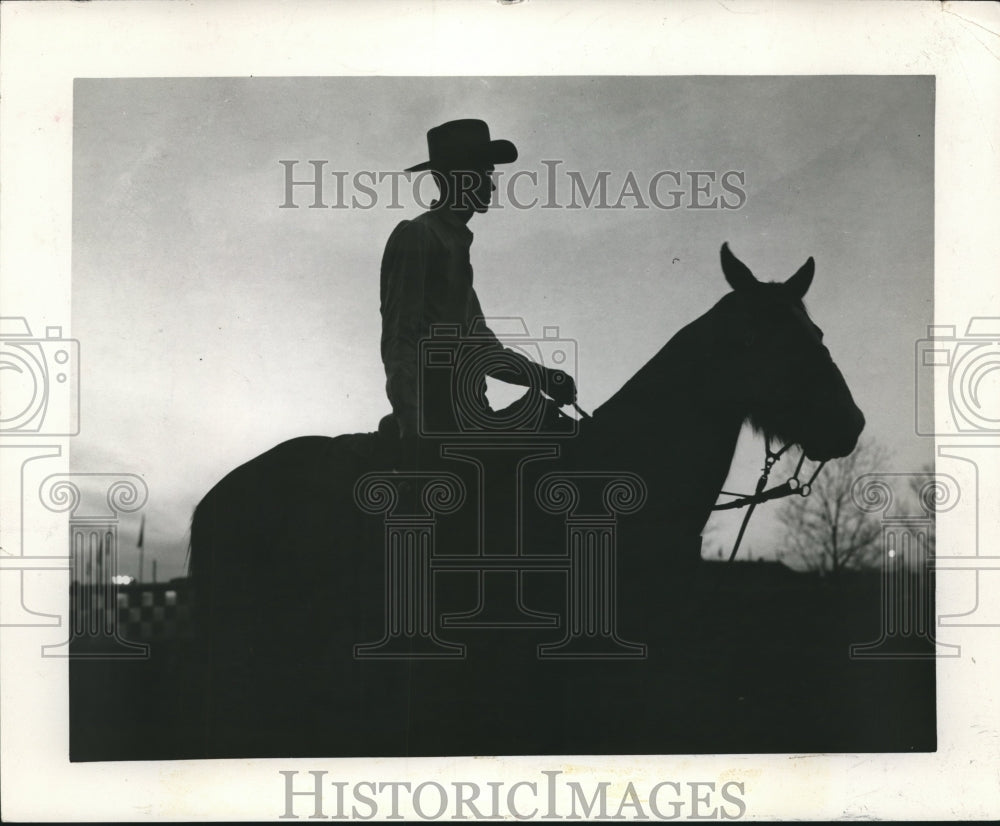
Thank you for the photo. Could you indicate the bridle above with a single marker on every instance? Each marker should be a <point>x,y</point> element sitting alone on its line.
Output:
<point>787,488</point>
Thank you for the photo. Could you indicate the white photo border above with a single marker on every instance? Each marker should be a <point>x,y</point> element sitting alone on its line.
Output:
<point>46,45</point>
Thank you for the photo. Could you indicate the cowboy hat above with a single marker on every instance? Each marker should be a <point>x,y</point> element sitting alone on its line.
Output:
<point>464,144</point>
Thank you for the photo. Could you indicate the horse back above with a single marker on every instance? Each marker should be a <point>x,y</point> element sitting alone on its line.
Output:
<point>254,501</point>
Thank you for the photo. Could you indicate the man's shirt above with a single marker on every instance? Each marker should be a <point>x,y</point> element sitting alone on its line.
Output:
<point>426,279</point>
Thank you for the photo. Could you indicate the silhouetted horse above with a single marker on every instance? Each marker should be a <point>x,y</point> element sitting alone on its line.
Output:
<point>289,575</point>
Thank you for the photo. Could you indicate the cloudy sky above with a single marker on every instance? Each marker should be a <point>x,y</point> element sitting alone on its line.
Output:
<point>214,324</point>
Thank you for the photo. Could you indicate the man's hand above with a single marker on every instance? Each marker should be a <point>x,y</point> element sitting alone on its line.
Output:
<point>560,386</point>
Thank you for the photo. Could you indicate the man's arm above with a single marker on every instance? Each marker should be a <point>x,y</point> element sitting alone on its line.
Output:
<point>404,275</point>
<point>516,368</point>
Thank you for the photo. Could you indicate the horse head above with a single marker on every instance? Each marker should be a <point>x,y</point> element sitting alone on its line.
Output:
<point>773,363</point>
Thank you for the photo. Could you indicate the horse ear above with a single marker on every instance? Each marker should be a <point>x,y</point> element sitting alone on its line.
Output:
<point>737,273</point>
<point>799,283</point>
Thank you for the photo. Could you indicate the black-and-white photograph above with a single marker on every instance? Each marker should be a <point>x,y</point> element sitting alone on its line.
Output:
<point>503,415</point>
<point>498,410</point>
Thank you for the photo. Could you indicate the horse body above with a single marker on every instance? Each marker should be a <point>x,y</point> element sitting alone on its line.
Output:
<point>289,575</point>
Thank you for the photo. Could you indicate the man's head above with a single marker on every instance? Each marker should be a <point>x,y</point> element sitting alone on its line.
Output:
<point>465,189</point>
<point>462,158</point>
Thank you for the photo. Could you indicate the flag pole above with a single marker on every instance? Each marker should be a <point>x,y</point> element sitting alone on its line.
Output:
<point>141,545</point>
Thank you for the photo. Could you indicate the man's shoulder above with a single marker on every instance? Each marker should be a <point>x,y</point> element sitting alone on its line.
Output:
<point>412,231</point>
<point>420,231</point>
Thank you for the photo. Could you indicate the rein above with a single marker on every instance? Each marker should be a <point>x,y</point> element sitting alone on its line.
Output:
<point>787,488</point>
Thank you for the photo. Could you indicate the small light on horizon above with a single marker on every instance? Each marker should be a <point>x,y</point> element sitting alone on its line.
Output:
<point>122,579</point>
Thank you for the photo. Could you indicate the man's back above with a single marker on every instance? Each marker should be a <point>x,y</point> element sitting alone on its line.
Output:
<point>426,279</point>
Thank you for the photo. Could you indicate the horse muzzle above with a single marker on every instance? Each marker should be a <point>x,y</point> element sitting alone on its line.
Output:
<point>837,440</point>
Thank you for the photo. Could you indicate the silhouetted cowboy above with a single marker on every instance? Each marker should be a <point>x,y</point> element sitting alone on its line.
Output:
<point>426,277</point>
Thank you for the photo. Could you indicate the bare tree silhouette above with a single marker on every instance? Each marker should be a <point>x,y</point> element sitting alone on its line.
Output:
<point>826,531</point>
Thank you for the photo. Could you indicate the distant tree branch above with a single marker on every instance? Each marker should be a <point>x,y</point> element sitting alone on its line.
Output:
<point>826,531</point>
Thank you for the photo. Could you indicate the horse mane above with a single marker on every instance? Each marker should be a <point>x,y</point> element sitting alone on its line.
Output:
<point>677,364</point>
<point>687,386</point>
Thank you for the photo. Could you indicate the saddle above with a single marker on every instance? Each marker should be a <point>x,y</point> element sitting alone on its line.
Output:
<point>533,416</point>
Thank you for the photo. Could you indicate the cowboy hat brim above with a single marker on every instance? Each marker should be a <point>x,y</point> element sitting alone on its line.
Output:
<point>498,151</point>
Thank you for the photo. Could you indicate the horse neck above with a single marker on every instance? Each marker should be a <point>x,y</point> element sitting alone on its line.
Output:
<point>666,422</point>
